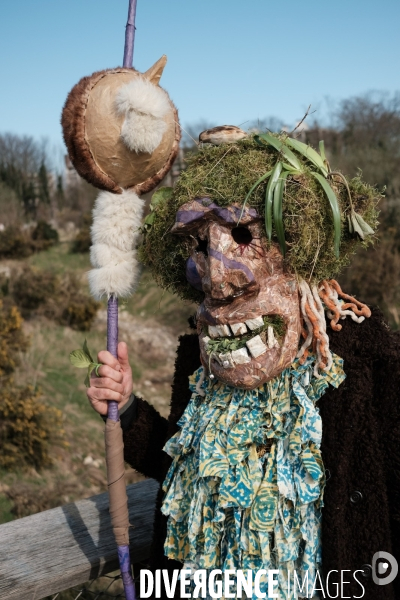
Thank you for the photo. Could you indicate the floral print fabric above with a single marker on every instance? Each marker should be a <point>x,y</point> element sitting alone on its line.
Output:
<point>245,488</point>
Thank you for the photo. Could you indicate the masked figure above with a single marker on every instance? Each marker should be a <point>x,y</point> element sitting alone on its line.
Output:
<point>281,450</point>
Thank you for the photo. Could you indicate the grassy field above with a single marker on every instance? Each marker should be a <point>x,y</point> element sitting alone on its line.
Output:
<point>150,322</point>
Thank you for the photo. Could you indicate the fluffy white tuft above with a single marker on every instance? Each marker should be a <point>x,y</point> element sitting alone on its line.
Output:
<point>116,222</point>
<point>117,218</point>
<point>102,255</point>
<point>145,106</point>
<point>142,133</point>
<point>119,280</point>
<point>144,97</point>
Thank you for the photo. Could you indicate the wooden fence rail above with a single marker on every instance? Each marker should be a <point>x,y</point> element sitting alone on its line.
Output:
<point>54,550</point>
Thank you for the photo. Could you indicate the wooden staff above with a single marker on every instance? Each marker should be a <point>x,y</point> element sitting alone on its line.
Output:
<point>118,500</point>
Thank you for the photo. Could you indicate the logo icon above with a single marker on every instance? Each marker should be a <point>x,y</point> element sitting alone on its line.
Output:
<point>384,568</point>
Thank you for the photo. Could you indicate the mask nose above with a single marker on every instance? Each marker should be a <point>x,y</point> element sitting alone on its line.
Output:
<point>226,275</point>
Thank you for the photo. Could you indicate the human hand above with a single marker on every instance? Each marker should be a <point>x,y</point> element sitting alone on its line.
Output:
<point>115,381</point>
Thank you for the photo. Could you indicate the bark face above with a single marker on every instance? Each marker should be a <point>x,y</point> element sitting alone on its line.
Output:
<point>244,281</point>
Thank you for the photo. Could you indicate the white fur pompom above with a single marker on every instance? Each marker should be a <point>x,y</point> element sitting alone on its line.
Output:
<point>145,106</point>
<point>102,255</point>
<point>116,219</point>
<point>119,280</point>
<point>116,222</point>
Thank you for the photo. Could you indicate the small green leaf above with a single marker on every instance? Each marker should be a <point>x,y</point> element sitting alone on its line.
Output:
<point>161,195</point>
<point>308,153</point>
<point>91,367</point>
<point>79,359</point>
<point>149,219</point>
<point>269,194</point>
<point>86,350</point>
<point>281,147</point>
<point>278,213</point>
<point>358,226</point>
<point>367,230</point>
<point>350,224</point>
<point>333,201</point>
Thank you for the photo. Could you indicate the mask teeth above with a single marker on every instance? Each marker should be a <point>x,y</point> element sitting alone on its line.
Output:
<point>272,341</point>
<point>241,356</point>
<point>238,328</point>
<point>217,331</point>
<point>255,323</point>
<point>256,346</point>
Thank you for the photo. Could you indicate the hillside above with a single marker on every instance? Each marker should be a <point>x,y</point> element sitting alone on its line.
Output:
<point>150,323</point>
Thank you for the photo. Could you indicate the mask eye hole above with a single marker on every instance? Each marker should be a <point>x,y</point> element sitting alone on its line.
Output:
<point>242,236</point>
<point>202,246</point>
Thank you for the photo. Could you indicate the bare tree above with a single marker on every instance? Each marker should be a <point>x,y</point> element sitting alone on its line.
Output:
<point>363,135</point>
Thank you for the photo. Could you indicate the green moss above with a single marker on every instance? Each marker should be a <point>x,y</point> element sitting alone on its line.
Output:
<point>225,174</point>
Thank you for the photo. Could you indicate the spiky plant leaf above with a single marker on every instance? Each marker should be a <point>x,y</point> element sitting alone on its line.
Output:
<point>269,195</point>
<point>322,150</point>
<point>278,216</point>
<point>253,187</point>
<point>308,153</point>
<point>333,201</point>
<point>281,147</point>
<point>292,170</point>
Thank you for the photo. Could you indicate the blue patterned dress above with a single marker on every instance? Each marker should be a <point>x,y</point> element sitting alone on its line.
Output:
<point>245,488</point>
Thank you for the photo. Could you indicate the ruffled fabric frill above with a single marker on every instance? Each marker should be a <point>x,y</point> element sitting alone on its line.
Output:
<point>245,488</point>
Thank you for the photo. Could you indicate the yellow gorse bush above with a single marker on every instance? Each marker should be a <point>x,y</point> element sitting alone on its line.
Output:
<point>27,425</point>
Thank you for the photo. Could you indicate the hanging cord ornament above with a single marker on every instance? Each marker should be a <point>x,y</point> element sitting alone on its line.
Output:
<point>122,134</point>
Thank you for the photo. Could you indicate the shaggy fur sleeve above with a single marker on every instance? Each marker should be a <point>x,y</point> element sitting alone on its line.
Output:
<point>144,440</point>
<point>148,431</point>
<point>187,361</point>
<point>387,394</point>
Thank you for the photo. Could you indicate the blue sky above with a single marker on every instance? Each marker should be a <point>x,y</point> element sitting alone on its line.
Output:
<point>229,61</point>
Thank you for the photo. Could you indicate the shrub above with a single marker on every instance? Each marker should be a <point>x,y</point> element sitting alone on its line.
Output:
<point>18,243</point>
<point>4,284</point>
<point>83,240</point>
<point>44,236</point>
<point>12,340</point>
<point>62,300</point>
<point>80,313</point>
<point>32,288</point>
<point>15,243</point>
<point>27,426</point>
<point>28,499</point>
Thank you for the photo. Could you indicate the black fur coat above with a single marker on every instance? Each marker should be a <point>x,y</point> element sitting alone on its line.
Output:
<point>360,448</point>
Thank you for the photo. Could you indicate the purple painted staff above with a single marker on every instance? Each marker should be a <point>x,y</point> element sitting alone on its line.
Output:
<point>130,34</point>
<point>112,330</point>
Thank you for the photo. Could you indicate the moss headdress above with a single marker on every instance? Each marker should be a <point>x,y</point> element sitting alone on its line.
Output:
<point>316,215</point>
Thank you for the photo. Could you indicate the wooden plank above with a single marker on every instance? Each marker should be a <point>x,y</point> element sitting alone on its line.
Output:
<point>66,546</point>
